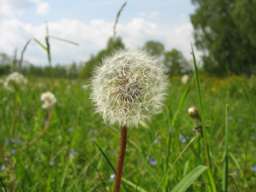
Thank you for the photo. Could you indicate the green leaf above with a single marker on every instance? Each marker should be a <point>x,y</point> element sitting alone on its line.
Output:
<point>134,186</point>
<point>40,44</point>
<point>189,179</point>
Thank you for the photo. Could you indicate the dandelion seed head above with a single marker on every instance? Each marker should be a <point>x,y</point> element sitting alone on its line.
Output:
<point>184,79</point>
<point>14,80</point>
<point>48,99</point>
<point>128,88</point>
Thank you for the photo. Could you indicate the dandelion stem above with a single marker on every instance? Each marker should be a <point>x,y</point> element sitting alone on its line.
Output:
<point>121,156</point>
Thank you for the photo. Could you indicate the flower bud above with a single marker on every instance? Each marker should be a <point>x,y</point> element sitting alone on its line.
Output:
<point>193,112</point>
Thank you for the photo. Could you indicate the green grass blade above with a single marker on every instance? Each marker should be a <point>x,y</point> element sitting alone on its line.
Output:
<point>225,165</point>
<point>197,79</point>
<point>107,160</point>
<point>106,157</point>
<point>40,44</point>
<point>134,186</point>
<point>189,179</point>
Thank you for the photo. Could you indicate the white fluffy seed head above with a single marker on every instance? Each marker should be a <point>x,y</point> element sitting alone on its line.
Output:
<point>48,99</point>
<point>185,79</point>
<point>15,80</point>
<point>128,88</point>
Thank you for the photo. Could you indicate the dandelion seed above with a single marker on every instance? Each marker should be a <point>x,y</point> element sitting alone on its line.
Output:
<point>129,88</point>
<point>48,100</point>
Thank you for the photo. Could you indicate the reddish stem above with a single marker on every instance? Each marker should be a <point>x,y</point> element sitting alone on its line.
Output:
<point>120,162</point>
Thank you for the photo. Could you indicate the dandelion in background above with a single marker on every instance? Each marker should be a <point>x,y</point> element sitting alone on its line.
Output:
<point>15,80</point>
<point>128,89</point>
<point>184,79</point>
<point>48,99</point>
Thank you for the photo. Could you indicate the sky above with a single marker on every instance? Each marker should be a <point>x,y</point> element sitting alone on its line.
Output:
<point>90,23</point>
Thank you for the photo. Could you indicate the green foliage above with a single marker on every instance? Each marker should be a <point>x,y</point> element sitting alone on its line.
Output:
<point>175,62</point>
<point>154,48</point>
<point>224,32</point>
<point>112,46</point>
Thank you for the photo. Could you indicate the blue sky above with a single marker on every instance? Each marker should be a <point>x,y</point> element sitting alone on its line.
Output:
<point>89,22</point>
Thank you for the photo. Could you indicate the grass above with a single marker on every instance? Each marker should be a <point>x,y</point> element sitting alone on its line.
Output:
<point>77,150</point>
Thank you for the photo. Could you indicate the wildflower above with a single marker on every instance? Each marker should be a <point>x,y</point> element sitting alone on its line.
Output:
<point>185,79</point>
<point>152,161</point>
<point>15,80</point>
<point>2,167</point>
<point>254,168</point>
<point>72,153</point>
<point>112,177</point>
<point>128,88</point>
<point>48,100</point>
<point>182,139</point>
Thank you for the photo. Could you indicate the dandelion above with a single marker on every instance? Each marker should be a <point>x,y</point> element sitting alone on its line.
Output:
<point>185,79</point>
<point>15,80</point>
<point>48,100</point>
<point>128,89</point>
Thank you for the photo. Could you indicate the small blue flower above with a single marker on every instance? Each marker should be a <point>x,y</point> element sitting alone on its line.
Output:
<point>2,167</point>
<point>254,168</point>
<point>182,139</point>
<point>152,161</point>
<point>72,153</point>
<point>13,151</point>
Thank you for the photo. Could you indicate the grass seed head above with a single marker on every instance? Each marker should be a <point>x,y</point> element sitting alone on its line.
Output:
<point>128,88</point>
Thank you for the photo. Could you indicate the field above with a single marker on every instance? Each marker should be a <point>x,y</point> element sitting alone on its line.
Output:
<point>73,149</point>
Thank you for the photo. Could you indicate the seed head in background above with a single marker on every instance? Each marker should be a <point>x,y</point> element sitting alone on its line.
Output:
<point>48,99</point>
<point>128,88</point>
<point>15,80</point>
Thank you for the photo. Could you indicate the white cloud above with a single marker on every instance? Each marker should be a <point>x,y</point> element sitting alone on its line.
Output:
<point>14,8</point>
<point>42,7</point>
<point>91,36</point>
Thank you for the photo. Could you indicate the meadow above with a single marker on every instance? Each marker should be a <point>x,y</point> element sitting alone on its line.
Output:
<point>76,151</point>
